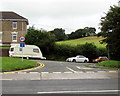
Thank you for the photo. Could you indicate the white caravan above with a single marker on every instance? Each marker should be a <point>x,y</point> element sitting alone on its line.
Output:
<point>31,51</point>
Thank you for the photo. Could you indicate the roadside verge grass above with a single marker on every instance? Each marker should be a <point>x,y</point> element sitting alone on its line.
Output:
<point>110,63</point>
<point>13,64</point>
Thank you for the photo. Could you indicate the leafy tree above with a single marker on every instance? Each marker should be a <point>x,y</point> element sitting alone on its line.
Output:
<point>87,31</point>
<point>43,39</point>
<point>110,27</point>
<point>59,34</point>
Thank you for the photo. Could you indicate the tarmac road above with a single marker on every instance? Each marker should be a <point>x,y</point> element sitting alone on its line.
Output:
<point>84,86</point>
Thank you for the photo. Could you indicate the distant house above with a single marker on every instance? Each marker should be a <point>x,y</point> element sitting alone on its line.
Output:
<point>12,27</point>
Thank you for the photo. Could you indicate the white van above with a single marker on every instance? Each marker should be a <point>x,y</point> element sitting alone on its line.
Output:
<point>27,51</point>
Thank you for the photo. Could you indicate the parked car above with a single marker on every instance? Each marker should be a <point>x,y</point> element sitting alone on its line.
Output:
<point>99,59</point>
<point>31,51</point>
<point>78,58</point>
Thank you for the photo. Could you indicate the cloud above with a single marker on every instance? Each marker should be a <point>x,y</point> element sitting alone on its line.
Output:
<point>70,14</point>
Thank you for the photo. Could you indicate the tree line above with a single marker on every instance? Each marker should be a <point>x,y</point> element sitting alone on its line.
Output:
<point>60,35</point>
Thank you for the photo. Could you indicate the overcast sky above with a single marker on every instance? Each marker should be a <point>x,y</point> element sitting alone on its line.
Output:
<point>67,14</point>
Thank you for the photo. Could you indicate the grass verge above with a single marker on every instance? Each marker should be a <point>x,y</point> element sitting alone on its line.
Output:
<point>4,47</point>
<point>13,64</point>
<point>110,63</point>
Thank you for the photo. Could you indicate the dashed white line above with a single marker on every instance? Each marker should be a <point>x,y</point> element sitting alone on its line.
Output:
<point>112,71</point>
<point>44,72</point>
<point>21,72</point>
<point>79,67</point>
<point>71,69</point>
<point>57,72</point>
<point>34,72</point>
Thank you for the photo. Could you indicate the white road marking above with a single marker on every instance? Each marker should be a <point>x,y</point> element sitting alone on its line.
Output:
<point>79,67</point>
<point>57,72</point>
<point>67,72</point>
<point>112,71</point>
<point>88,91</point>
<point>34,72</point>
<point>44,72</point>
<point>21,72</point>
<point>90,72</point>
<point>6,79</point>
<point>101,71</point>
<point>71,69</point>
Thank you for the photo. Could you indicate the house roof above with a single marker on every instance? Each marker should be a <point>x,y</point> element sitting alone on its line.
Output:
<point>11,16</point>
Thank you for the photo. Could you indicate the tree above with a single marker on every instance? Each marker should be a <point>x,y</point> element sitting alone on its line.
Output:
<point>43,39</point>
<point>59,34</point>
<point>87,31</point>
<point>110,28</point>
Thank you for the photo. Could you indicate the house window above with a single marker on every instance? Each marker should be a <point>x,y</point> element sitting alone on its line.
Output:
<point>14,25</point>
<point>14,36</point>
<point>0,36</point>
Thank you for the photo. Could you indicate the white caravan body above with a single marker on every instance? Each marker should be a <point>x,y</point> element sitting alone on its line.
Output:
<point>27,51</point>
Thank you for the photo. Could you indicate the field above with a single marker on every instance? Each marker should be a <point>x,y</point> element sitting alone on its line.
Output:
<point>92,39</point>
<point>9,63</point>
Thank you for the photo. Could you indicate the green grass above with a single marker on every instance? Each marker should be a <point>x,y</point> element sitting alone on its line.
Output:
<point>110,63</point>
<point>9,63</point>
<point>92,39</point>
<point>4,47</point>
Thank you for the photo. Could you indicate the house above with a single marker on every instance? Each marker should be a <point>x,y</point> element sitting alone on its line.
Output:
<point>12,27</point>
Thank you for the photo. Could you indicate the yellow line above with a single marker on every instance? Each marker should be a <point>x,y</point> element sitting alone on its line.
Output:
<point>41,66</point>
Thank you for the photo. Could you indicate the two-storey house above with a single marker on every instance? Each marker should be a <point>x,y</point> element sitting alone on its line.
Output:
<point>12,27</point>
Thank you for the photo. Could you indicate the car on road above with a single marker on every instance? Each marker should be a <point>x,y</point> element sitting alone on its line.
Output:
<point>101,58</point>
<point>78,58</point>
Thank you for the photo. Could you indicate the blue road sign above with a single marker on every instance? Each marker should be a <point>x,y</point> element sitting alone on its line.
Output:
<point>22,44</point>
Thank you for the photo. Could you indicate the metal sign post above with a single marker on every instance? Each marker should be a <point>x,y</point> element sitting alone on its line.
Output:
<point>22,44</point>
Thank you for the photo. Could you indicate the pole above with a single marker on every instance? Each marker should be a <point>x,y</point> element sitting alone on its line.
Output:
<point>108,52</point>
<point>22,53</point>
<point>22,35</point>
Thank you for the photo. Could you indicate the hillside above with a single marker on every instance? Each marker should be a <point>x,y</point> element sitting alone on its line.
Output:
<point>92,39</point>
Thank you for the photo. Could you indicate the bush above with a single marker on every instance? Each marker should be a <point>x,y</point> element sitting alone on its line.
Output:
<point>64,50</point>
<point>89,50</point>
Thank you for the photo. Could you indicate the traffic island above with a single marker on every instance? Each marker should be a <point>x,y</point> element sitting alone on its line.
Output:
<point>10,65</point>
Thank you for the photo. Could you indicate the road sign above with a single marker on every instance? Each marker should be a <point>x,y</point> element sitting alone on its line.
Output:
<point>22,39</point>
<point>22,44</point>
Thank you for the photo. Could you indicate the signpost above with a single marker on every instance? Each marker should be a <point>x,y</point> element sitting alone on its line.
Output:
<point>22,39</point>
<point>22,44</point>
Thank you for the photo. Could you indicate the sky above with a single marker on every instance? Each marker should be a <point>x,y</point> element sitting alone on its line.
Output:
<point>67,14</point>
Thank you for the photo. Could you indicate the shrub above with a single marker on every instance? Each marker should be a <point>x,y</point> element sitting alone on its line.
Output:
<point>89,50</point>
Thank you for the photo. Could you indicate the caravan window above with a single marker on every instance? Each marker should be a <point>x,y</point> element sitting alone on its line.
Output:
<point>12,49</point>
<point>36,50</point>
<point>20,49</point>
